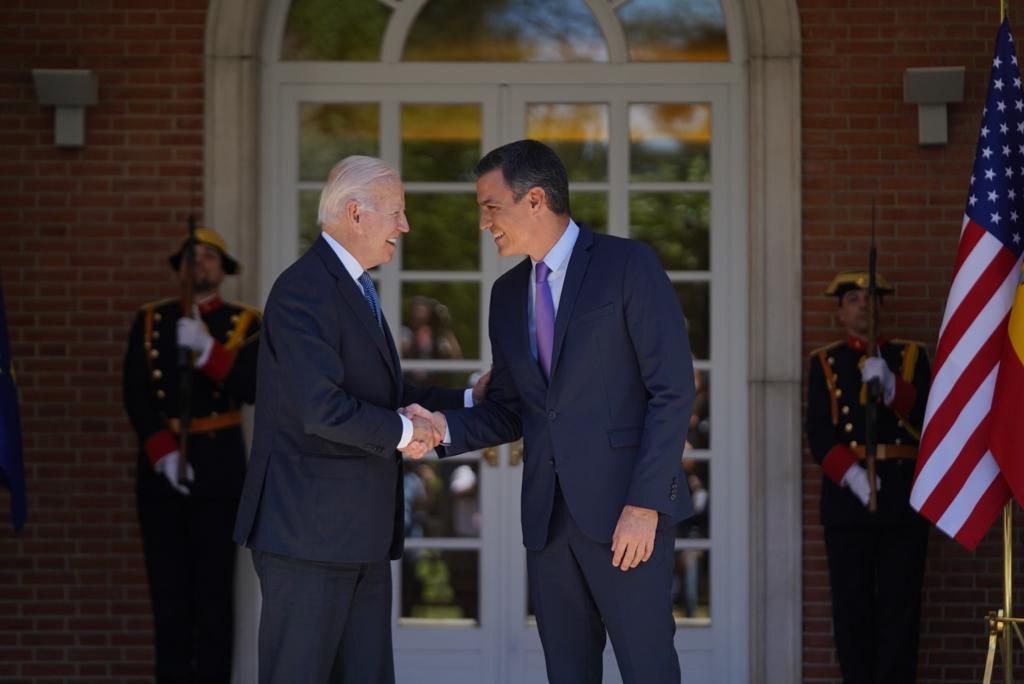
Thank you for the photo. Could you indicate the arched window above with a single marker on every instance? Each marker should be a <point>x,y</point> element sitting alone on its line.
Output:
<point>506,31</point>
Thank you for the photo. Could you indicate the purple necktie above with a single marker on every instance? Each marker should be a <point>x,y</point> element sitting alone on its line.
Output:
<point>544,315</point>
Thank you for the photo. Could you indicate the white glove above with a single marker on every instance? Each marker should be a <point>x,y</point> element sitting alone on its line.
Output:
<point>193,335</point>
<point>168,467</point>
<point>876,368</point>
<point>856,479</point>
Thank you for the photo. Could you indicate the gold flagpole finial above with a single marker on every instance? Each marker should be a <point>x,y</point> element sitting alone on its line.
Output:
<point>1002,11</point>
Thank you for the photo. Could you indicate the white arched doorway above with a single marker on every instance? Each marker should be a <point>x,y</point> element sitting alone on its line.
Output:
<point>489,636</point>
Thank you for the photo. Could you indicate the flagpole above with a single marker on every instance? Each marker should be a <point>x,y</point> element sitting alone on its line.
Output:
<point>1007,590</point>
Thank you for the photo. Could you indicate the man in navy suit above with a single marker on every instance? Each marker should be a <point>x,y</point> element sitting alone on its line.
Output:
<point>592,368</point>
<point>322,505</point>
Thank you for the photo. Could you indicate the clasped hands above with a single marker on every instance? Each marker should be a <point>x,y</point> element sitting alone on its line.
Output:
<point>428,430</point>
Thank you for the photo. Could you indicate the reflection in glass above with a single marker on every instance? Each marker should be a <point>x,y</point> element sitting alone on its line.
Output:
<point>443,233</point>
<point>331,30</point>
<point>698,436</point>
<point>440,321</point>
<point>309,230</point>
<point>442,499</point>
<point>330,132</point>
<point>440,142</point>
<point>675,224</point>
<point>577,132</point>
<point>695,298</point>
<point>459,379</point>
<point>590,209</point>
<point>505,31</point>
<point>440,585</point>
<point>691,585</point>
<point>670,142</point>
<point>698,478</point>
<point>675,30</point>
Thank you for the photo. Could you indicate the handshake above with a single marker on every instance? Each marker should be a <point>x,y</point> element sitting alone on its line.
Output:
<point>428,430</point>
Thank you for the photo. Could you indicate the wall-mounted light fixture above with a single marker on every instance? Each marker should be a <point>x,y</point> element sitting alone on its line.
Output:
<point>931,89</point>
<point>70,91</point>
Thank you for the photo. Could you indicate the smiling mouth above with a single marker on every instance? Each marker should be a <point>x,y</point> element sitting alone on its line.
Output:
<point>498,236</point>
<point>392,241</point>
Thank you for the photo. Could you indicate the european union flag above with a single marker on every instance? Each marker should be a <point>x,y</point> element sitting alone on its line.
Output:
<point>12,469</point>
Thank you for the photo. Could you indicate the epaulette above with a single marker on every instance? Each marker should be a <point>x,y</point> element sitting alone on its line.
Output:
<point>238,337</point>
<point>158,303</point>
<point>830,345</point>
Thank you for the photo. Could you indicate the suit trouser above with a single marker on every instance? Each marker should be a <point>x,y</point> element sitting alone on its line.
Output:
<point>190,562</point>
<point>876,572</point>
<point>578,594</point>
<point>324,622</point>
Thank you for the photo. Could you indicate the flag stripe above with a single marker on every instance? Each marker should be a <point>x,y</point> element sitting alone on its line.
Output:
<point>963,280</point>
<point>965,437</point>
<point>975,486</point>
<point>985,513</point>
<point>951,392</point>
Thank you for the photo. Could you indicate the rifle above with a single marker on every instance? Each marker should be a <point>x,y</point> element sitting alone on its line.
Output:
<point>874,387</point>
<point>185,355</point>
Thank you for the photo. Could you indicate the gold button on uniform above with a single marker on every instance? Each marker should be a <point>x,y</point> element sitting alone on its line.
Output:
<point>853,444</point>
<point>160,394</point>
<point>157,374</point>
<point>154,353</point>
<point>157,316</point>
<point>846,410</point>
<point>156,334</point>
<point>839,392</point>
<point>848,427</point>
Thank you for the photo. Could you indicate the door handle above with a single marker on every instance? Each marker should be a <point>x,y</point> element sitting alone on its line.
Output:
<point>490,455</point>
<point>515,456</point>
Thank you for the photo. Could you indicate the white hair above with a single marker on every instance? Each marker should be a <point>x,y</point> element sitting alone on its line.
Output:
<point>350,179</point>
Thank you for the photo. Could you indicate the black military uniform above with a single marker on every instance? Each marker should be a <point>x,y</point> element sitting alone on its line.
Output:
<point>876,560</point>
<point>190,556</point>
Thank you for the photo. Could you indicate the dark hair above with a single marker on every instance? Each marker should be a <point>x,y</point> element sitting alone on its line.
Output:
<point>527,164</point>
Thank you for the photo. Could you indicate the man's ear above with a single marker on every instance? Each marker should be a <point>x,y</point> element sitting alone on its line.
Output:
<point>536,198</point>
<point>352,211</point>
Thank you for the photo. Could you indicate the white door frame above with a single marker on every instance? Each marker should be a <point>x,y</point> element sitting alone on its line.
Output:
<point>765,42</point>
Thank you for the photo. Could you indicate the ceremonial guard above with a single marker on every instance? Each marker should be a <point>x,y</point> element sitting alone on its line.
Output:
<point>188,486</point>
<point>875,558</point>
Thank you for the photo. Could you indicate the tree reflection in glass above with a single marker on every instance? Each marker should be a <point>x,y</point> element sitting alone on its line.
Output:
<point>334,30</point>
<point>506,31</point>
<point>675,30</point>
<point>670,142</point>
<point>578,133</point>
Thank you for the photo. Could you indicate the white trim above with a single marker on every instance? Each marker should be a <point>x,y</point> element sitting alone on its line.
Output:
<point>764,42</point>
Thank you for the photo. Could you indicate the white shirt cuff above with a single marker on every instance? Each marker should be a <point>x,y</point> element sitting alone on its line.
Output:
<point>467,399</point>
<point>406,432</point>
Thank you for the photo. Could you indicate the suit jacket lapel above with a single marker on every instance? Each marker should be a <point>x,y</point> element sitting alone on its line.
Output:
<point>351,293</point>
<point>577,270</point>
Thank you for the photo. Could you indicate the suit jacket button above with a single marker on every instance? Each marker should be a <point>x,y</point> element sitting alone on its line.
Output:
<point>552,415</point>
<point>672,496</point>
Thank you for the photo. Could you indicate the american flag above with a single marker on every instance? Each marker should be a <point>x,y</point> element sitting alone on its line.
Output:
<point>958,485</point>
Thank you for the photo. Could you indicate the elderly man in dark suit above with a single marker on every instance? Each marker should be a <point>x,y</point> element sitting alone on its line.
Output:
<point>322,503</point>
<point>592,368</point>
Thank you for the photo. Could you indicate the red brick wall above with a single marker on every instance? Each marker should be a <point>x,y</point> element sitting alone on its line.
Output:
<point>860,147</point>
<point>83,238</point>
